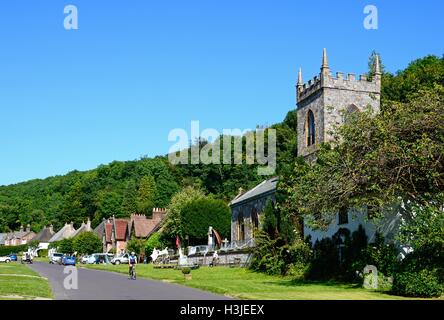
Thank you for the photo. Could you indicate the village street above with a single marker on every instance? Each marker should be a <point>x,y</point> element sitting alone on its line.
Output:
<point>100,285</point>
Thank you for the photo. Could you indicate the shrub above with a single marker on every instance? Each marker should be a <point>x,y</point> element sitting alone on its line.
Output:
<point>425,283</point>
<point>278,258</point>
<point>202,213</point>
<point>325,263</point>
<point>43,253</point>
<point>136,245</point>
<point>87,243</point>
<point>266,255</point>
<point>382,255</point>
<point>6,250</point>
<point>154,241</point>
<point>186,270</point>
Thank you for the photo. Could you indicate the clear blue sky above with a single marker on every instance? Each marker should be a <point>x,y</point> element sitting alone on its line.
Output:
<point>134,70</point>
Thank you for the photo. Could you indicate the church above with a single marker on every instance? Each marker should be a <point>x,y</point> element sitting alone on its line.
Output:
<point>322,105</point>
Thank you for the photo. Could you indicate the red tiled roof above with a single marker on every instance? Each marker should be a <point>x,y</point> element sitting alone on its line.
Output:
<point>121,229</point>
<point>143,227</point>
<point>108,231</point>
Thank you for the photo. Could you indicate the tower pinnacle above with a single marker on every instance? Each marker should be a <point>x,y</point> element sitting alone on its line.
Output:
<point>300,83</point>
<point>377,65</point>
<point>324,60</point>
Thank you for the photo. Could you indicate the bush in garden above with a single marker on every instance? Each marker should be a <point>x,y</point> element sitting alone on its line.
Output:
<point>7,250</point>
<point>43,253</point>
<point>382,255</point>
<point>325,264</point>
<point>87,243</point>
<point>425,283</point>
<point>154,241</point>
<point>200,214</point>
<point>274,256</point>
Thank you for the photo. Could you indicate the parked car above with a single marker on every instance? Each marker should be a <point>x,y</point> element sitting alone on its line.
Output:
<point>26,258</point>
<point>84,259</point>
<point>123,258</point>
<point>6,259</point>
<point>13,256</point>
<point>55,258</point>
<point>68,260</point>
<point>97,258</point>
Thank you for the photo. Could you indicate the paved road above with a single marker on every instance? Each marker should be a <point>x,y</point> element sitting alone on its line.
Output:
<point>102,285</point>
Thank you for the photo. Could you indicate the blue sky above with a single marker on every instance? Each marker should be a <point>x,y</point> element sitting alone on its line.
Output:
<point>134,70</point>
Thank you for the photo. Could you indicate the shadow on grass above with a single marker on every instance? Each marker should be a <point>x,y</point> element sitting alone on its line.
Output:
<point>312,283</point>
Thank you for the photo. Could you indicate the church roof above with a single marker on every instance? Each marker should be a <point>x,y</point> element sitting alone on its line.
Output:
<point>267,186</point>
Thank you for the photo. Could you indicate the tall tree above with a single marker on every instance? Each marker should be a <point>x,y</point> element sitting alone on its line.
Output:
<point>145,198</point>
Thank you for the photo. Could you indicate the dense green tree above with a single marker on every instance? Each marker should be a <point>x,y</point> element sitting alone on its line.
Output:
<point>154,241</point>
<point>145,197</point>
<point>87,243</point>
<point>129,203</point>
<point>136,245</point>
<point>200,214</point>
<point>173,225</point>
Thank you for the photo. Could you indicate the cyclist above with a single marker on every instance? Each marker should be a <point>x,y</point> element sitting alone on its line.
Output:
<point>132,261</point>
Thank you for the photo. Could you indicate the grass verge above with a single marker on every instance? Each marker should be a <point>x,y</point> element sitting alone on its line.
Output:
<point>17,281</point>
<point>244,284</point>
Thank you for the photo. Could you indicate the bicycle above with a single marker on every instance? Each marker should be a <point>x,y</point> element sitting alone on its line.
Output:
<point>132,272</point>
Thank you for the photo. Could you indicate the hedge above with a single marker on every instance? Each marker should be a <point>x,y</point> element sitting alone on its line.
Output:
<point>7,250</point>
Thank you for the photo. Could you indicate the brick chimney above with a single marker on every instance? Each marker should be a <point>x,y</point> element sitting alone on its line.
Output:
<point>159,213</point>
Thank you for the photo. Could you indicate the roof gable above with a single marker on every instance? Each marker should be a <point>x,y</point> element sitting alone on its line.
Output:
<point>267,186</point>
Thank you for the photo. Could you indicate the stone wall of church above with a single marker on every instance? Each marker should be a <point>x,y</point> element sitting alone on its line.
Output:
<point>329,98</point>
<point>246,209</point>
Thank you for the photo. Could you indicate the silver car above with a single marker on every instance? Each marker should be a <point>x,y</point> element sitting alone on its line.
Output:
<point>123,258</point>
<point>55,258</point>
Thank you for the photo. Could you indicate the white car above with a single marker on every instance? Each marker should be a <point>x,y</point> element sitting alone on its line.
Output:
<point>6,259</point>
<point>84,259</point>
<point>124,258</point>
<point>55,258</point>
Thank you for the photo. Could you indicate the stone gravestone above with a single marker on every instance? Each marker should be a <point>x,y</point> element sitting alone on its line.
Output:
<point>370,277</point>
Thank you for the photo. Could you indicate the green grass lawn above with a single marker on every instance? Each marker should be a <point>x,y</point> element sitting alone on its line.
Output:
<point>17,281</point>
<point>245,284</point>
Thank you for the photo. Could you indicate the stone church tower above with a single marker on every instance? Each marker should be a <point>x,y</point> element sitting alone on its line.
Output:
<point>323,103</point>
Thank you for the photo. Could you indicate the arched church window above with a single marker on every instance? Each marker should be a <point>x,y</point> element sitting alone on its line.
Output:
<point>310,128</point>
<point>351,109</point>
<point>241,227</point>
<point>255,218</point>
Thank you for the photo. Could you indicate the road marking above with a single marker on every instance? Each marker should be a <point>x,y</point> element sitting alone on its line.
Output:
<point>21,275</point>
